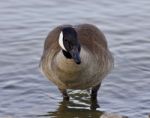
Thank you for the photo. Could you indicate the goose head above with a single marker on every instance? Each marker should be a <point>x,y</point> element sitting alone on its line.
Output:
<point>70,44</point>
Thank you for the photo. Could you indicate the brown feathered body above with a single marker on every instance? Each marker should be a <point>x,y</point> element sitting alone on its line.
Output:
<point>96,59</point>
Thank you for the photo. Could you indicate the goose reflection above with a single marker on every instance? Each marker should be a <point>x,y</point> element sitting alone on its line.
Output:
<point>71,110</point>
<point>80,106</point>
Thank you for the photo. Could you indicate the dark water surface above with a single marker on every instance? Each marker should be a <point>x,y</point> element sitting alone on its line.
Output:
<point>24,24</point>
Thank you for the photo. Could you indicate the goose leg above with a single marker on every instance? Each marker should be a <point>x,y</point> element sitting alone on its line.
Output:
<point>95,91</point>
<point>94,103</point>
<point>64,93</point>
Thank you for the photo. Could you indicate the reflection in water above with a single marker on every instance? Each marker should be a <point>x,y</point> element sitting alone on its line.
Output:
<point>79,107</point>
<point>70,110</point>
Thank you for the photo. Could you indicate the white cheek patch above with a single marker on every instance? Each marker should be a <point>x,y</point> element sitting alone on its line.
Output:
<point>61,41</point>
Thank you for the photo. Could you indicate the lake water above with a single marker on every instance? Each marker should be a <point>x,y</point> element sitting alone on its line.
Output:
<point>24,25</point>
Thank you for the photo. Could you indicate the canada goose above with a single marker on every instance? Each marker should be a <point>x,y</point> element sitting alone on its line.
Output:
<point>76,57</point>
